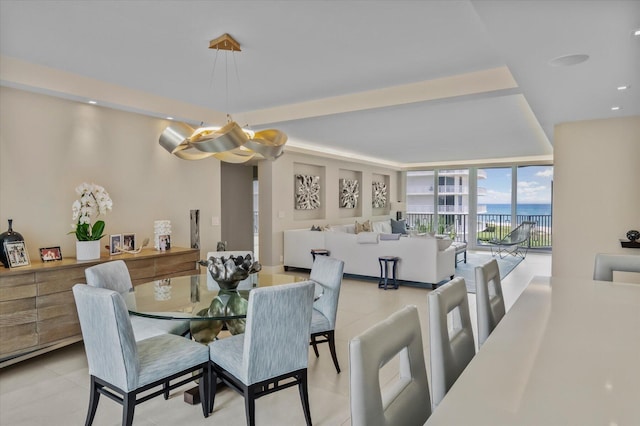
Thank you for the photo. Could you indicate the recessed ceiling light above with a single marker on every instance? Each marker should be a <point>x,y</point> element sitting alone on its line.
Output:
<point>636,33</point>
<point>92,102</point>
<point>567,60</point>
<point>169,118</point>
<point>615,108</point>
<point>623,87</point>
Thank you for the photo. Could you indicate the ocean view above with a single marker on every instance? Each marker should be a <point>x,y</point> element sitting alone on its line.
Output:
<point>523,209</point>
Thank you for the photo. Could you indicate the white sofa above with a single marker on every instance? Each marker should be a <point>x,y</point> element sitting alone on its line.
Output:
<point>422,259</point>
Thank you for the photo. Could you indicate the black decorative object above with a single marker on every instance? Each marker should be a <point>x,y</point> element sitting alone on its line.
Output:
<point>633,235</point>
<point>7,237</point>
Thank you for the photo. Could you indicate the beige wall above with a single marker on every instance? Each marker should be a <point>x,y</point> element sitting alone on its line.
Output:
<point>596,187</point>
<point>49,145</point>
<point>277,211</point>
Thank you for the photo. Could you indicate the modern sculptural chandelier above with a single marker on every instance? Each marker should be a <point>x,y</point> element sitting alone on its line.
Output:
<point>230,143</point>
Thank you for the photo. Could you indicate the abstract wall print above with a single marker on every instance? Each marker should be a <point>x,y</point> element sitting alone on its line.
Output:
<point>379,195</point>
<point>307,192</point>
<point>349,193</point>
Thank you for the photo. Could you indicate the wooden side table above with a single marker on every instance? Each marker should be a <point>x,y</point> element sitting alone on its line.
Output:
<point>384,271</point>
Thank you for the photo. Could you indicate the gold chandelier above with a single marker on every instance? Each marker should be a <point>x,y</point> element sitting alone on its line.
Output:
<point>230,143</point>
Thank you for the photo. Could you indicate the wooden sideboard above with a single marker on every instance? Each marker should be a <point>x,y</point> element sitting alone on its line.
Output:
<point>37,310</point>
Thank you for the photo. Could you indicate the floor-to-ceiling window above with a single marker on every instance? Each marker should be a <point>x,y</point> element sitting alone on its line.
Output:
<point>496,201</point>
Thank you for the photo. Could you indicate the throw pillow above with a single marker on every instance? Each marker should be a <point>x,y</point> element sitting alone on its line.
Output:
<point>367,238</point>
<point>363,227</point>
<point>398,226</point>
<point>389,237</point>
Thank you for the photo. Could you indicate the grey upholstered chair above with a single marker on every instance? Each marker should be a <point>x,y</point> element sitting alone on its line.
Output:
<point>605,264</point>
<point>274,346</point>
<point>406,402</point>
<point>451,342</point>
<point>489,299</point>
<point>115,276</point>
<point>121,368</point>
<point>246,284</point>
<point>327,272</point>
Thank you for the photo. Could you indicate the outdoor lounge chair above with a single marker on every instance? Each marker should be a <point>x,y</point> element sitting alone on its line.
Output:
<point>516,243</point>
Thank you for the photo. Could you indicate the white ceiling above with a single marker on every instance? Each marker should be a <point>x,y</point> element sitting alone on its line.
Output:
<point>405,83</point>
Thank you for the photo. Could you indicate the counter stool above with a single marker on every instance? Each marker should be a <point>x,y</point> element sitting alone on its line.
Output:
<point>319,252</point>
<point>384,272</point>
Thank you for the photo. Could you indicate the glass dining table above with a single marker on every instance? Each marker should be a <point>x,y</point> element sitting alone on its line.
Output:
<point>198,299</point>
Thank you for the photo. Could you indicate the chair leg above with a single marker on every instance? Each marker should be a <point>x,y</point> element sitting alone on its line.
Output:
<point>332,349</point>
<point>213,385</point>
<point>250,405</point>
<point>128,407</point>
<point>94,398</point>
<point>315,345</point>
<point>165,386</point>
<point>203,388</point>
<point>304,396</point>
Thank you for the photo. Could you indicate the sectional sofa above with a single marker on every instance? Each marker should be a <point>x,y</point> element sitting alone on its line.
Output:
<point>423,259</point>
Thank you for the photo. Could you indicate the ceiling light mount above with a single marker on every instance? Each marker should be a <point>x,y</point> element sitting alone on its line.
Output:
<point>225,42</point>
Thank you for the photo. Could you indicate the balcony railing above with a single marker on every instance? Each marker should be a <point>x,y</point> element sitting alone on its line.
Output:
<point>489,226</point>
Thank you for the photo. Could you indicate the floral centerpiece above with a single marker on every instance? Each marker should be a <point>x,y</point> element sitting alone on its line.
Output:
<point>94,200</point>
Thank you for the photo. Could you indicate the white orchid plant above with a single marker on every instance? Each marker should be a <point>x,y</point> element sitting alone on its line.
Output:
<point>94,200</point>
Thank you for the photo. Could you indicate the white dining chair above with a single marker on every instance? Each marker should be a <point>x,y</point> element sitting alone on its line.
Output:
<point>489,300</point>
<point>605,264</point>
<point>406,401</point>
<point>450,336</point>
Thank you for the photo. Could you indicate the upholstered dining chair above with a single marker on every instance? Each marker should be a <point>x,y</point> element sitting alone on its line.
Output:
<point>121,368</point>
<point>274,347</point>
<point>246,284</point>
<point>327,272</point>
<point>450,336</point>
<point>489,300</point>
<point>406,402</point>
<point>605,264</point>
<point>115,276</point>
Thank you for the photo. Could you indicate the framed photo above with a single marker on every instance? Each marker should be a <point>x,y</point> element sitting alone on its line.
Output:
<point>17,254</point>
<point>164,242</point>
<point>129,241</point>
<point>115,240</point>
<point>48,254</point>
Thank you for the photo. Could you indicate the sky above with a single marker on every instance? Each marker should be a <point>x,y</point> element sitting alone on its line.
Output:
<point>534,185</point>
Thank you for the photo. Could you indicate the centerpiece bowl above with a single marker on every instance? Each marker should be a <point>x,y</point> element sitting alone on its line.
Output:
<point>229,271</point>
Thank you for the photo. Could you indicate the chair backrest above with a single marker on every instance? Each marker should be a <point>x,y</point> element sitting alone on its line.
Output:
<point>451,342</point>
<point>489,299</point>
<point>521,233</point>
<point>605,264</point>
<point>407,401</point>
<point>108,337</point>
<point>327,272</point>
<point>276,337</point>
<point>112,275</point>
<point>246,284</point>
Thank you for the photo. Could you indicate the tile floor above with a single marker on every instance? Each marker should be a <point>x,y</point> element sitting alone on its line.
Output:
<point>52,389</point>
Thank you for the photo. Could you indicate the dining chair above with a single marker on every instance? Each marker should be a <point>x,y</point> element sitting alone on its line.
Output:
<point>115,276</point>
<point>273,352</point>
<point>605,264</point>
<point>247,284</point>
<point>327,272</point>
<point>450,336</point>
<point>489,300</point>
<point>406,402</point>
<point>125,370</point>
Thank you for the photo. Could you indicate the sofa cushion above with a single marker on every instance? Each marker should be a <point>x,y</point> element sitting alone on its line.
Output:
<point>363,227</point>
<point>387,237</point>
<point>381,227</point>
<point>398,226</point>
<point>444,243</point>
<point>367,238</point>
<point>349,229</point>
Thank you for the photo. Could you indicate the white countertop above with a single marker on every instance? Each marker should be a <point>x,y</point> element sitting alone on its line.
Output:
<point>566,353</point>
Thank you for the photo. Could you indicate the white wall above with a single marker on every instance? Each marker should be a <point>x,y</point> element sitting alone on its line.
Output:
<point>596,191</point>
<point>49,145</point>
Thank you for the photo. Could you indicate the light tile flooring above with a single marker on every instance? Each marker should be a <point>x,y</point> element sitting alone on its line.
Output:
<point>52,389</point>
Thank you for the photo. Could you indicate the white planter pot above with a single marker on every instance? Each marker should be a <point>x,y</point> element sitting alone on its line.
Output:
<point>88,250</point>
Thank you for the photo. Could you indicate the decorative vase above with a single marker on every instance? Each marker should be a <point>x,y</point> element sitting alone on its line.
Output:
<point>88,250</point>
<point>7,237</point>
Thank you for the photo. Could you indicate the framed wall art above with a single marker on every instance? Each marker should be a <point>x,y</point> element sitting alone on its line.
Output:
<point>48,254</point>
<point>17,254</point>
<point>349,193</point>
<point>307,192</point>
<point>379,194</point>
